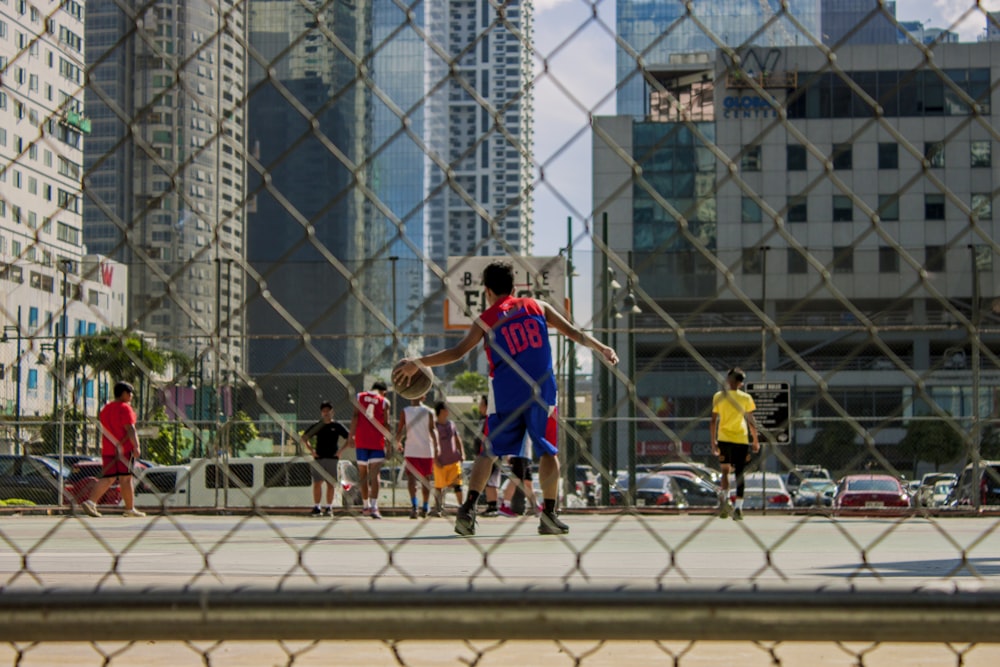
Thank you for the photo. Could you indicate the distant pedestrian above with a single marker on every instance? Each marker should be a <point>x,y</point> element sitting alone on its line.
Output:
<point>326,456</point>
<point>519,481</point>
<point>119,449</point>
<point>731,431</point>
<point>419,430</point>
<point>369,426</point>
<point>448,461</point>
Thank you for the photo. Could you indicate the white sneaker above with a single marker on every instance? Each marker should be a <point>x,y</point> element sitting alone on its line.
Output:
<point>133,512</point>
<point>90,508</point>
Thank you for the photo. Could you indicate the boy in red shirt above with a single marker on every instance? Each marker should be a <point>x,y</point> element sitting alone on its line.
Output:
<point>119,448</point>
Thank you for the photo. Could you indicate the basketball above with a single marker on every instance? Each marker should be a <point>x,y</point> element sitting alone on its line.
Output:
<point>419,384</point>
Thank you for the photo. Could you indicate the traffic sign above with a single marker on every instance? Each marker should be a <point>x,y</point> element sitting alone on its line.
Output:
<point>773,401</point>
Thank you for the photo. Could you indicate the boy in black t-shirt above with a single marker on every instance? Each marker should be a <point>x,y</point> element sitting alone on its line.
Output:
<point>326,456</point>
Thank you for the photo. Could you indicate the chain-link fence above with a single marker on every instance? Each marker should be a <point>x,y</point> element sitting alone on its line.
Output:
<point>247,209</point>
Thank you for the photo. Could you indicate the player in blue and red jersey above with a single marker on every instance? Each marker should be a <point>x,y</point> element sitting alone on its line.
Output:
<point>515,333</point>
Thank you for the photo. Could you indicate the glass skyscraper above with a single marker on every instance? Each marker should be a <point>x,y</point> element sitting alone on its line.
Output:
<point>659,32</point>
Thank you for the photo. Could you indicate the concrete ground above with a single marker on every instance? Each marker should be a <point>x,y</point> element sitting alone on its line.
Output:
<point>601,552</point>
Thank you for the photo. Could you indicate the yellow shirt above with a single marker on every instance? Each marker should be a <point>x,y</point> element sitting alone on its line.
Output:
<point>732,407</point>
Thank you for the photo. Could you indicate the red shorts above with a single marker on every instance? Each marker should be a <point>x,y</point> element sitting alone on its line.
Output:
<point>419,466</point>
<point>115,465</point>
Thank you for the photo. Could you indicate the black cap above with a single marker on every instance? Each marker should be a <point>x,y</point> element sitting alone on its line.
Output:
<point>122,387</point>
<point>326,404</point>
<point>380,386</point>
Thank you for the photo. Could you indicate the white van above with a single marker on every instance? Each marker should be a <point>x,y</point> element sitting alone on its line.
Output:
<point>255,482</point>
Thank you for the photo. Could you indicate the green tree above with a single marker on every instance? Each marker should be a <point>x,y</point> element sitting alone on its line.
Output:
<point>119,354</point>
<point>160,448</point>
<point>241,432</point>
<point>469,383</point>
<point>933,440</point>
<point>72,424</point>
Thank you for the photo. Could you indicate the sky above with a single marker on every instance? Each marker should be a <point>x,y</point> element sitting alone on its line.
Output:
<point>575,77</point>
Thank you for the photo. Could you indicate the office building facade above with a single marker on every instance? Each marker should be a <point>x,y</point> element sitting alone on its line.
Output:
<point>867,240</point>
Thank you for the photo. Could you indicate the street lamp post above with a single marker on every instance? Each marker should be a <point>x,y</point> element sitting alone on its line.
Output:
<point>605,393</point>
<point>633,309</point>
<point>974,339</point>
<point>17,381</point>
<point>393,259</point>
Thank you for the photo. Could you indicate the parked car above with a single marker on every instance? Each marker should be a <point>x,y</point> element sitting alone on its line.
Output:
<point>940,494</point>
<point>710,475</point>
<point>815,493</point>
<point>798,474</point>
<point>871,492</point>
<point>652,491</point>
<point>986,486</point>
<point>929,487</point>
<point>84,475</point>
<point>72,459</point>
<point>698,492</point>
<point>763,488</point>
<point>34,478</point>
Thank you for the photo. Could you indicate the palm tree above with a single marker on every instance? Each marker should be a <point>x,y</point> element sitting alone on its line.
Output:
<point>118,353</point>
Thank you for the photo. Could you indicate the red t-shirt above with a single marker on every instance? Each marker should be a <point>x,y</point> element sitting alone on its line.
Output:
<point>373,409</point>
<point>115,417</point>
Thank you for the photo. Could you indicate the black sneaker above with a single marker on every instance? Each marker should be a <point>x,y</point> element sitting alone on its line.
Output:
<point>423,513</point>
<point>413,512</point>
<point>316,512</point>
<point>738,514</point>
<point>490,512</point>
<point>328,511</point>
<point>549,524</point>
<point>465,522</point>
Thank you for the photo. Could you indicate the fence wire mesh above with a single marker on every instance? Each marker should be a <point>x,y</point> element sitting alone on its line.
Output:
<point>247,208</point>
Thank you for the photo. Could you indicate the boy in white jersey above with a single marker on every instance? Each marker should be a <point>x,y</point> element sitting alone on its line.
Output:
<point>416,427</point>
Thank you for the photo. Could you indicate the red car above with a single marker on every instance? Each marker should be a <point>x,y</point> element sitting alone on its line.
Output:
<point>869,492</point>
<point>82,479</point>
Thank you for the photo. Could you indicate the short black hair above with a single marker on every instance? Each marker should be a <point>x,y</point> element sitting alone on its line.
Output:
<point>122,387</point>
<point>439,406</point>
<point>326,404</point>
<point>737,374</point>
<point>380,386</point>
<point>499,278</point>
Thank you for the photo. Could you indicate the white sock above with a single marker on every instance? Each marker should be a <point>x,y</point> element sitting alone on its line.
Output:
<point>739,503</point>
<point>375,504</point>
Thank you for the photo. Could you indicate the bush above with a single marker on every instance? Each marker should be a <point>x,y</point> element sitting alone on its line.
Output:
<point>16,502</point>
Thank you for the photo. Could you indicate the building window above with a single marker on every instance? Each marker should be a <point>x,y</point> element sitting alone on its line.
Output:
<point>934,258</point>
<point>750,210</point>
<point>981,153</point>
<point>934,152</point>
<point>984,257</point>
<point>888,260</point>
<point>843,259</point>
<point>934,207</point>
<point>843,156</point>
<point>752,261</point>
<point>797,261</point>
<point>982,206</point>
<point>798,211</point>
<point>796,156</point>
<point>888,207</point>
<point>843,209</point>
<point>888,156</point>
<point>751,160</point>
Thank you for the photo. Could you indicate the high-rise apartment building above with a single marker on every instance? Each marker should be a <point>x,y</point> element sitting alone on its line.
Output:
<point>49,290</point>
<point>165,168</point>
<point>479,129</point>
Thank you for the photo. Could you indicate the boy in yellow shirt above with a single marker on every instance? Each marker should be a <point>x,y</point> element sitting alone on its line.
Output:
<point>730,431</point>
